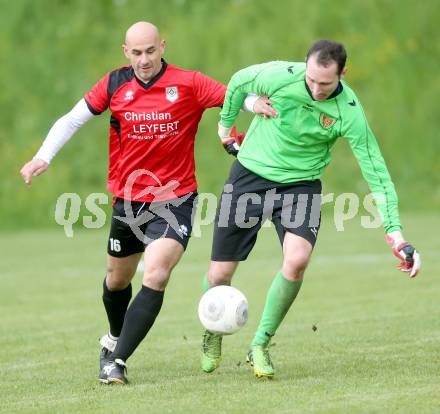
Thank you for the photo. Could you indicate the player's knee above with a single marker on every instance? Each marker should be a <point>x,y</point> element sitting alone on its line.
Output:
<point>220,273</point>
<point>156,277</point>
<point>120,272</point>
<point>116,281</point>
<point>294,266</point>
<point>216,278</point>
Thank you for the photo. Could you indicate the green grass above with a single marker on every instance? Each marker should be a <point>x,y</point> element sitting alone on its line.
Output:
<point>376,349</point>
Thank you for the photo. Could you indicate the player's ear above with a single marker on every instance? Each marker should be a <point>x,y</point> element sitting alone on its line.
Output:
<point>344,71</point>
<point>162,47</point>
<point>125,50</point>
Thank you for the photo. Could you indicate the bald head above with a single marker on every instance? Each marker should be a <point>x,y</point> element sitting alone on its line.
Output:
<point>142,32</point>
<point>144,48</point>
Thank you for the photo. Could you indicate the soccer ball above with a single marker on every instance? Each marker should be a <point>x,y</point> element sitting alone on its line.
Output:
<point>223,310</point>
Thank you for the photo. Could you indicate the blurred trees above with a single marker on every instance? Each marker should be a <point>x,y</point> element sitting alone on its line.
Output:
<point>54,51</point>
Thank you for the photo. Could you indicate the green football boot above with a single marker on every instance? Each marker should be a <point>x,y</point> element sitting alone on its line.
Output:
<point>211,351</point>
<point>259,358</point>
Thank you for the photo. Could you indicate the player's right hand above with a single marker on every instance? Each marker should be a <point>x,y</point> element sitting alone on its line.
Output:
<point>230,139</point>
<point>33,168</point>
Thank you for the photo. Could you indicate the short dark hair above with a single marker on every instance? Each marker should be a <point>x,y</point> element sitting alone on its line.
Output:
<point>326,51</point>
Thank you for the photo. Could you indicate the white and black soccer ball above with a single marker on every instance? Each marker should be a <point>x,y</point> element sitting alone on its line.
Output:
<point>223,310</point>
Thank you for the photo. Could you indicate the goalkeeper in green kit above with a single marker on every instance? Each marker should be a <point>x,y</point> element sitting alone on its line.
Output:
<point>277,176</point>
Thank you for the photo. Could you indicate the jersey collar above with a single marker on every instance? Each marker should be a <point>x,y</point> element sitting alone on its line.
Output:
<point>152,81</point>
<point>335,93</point>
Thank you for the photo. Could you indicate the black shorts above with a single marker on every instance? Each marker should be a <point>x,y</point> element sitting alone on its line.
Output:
<point>248,200</point>
<point>136,224</point>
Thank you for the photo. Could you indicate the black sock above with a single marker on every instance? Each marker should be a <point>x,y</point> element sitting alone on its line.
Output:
<point>116,303</point>
<point>139,318</point>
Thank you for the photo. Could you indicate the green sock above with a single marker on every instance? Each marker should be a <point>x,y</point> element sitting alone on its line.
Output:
<point>205,283</point>
<point>279,298</point>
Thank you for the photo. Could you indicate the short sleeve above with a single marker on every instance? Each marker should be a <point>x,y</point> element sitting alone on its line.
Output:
<point>97,98</point>
<point>208,92</point>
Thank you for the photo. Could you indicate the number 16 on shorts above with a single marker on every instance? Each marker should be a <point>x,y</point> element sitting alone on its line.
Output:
<point>115,245</point>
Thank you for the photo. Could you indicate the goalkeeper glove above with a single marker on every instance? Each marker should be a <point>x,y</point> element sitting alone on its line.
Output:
<point>230,139</point>
<point>408,255</point>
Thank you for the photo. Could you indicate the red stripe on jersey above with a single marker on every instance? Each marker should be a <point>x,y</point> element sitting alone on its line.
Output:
<point>153,129</point>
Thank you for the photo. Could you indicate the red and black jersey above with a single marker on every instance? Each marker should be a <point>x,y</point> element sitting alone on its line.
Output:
<point>153,128</point>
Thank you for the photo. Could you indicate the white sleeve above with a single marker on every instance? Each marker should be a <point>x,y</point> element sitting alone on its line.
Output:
<point>249,102</point>
<point>62,130</point>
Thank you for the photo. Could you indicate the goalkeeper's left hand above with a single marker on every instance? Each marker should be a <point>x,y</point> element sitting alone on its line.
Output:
<point>230,139</point>
<point>409,257</point>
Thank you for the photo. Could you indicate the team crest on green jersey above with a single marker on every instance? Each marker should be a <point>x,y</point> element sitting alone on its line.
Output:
<point>325,121</point>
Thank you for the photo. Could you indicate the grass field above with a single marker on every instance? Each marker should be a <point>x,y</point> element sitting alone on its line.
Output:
<point>376,349</point>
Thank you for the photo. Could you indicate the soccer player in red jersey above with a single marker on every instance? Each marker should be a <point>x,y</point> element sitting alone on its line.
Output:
<point>155,111</point>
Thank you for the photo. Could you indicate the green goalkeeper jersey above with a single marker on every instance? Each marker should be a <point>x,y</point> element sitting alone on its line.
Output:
<point>297,145</point>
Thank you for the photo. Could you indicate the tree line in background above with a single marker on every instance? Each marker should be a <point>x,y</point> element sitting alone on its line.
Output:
<point>57,50</point>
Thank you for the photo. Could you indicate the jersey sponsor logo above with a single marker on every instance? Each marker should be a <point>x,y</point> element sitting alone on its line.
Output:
<point>128,95</point>
<point>151,130</point>
<point>171,93</point>
<point>325,121</point>
<point>147,116</point>
<point>155,131</point>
